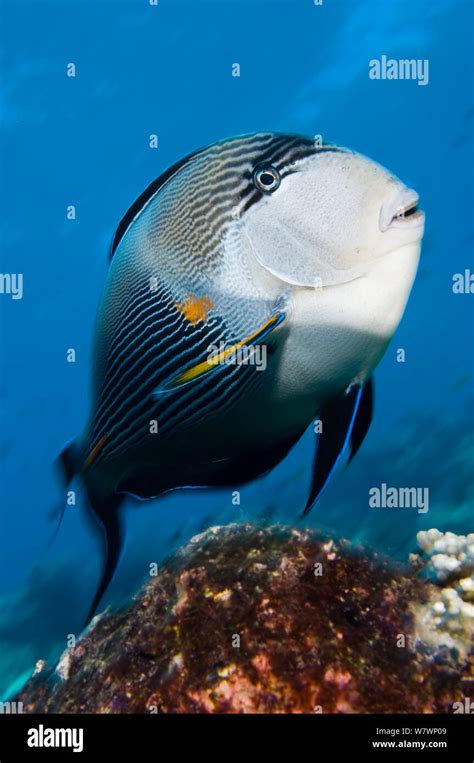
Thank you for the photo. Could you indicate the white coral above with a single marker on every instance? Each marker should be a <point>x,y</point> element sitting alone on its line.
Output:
<point>447,553</point>
<point>64,665</point>
<point>447,618</point>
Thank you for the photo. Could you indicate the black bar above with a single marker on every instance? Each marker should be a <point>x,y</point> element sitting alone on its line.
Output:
<point>218,737</point>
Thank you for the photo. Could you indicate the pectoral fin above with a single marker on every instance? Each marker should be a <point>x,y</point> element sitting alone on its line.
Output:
<point>343,418</point>
<point>218,359</point>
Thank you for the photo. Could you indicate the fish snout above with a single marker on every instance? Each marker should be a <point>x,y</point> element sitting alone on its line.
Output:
<point>401,211</point>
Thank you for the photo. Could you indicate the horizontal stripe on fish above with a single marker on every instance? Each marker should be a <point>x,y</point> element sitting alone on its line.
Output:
<point>148,308</point>
<point>123,428</point>
<point>125,382</point>
<point>181,344</point>
<point>116,377</point>
<point>134,433</point>
<point>194,404</point>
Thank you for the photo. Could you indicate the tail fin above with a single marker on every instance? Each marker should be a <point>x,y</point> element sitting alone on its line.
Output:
<point>105,510</point>
<point>109,517</point>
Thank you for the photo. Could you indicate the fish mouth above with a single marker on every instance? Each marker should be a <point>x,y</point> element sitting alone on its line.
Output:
<point>411,214</point>
<point>402,212</point>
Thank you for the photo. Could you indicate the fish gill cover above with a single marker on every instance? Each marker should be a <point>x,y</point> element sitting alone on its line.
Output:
<point>259,322</point>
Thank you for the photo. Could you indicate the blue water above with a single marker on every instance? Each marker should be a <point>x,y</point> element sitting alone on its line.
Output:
<point>140,70</point>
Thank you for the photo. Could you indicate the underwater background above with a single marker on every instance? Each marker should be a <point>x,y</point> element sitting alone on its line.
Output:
<point>166,69</point>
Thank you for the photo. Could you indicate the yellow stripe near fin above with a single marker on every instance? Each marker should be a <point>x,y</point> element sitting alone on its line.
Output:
<point>207,365</point>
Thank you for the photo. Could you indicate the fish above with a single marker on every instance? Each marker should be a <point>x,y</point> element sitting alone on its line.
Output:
<point>269,246</point>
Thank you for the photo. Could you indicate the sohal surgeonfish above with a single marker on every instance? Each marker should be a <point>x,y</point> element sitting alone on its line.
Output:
<point>265,248</point>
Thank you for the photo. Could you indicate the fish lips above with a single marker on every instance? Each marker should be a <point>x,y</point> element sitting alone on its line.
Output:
<point>401,211</point>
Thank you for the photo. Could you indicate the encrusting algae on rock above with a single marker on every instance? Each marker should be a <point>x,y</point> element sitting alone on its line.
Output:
<point>244,619</point>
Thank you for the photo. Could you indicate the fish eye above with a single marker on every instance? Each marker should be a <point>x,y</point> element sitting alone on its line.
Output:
<point>266,179</point>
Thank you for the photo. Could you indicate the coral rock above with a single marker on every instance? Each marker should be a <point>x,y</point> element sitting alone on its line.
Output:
<point>244,620</point>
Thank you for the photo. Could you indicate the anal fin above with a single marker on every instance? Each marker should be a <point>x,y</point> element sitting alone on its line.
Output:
<point>337,417</point>
<point>363,418</point>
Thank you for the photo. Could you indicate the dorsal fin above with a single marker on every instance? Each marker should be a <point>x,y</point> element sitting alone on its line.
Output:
<point>145,197</point>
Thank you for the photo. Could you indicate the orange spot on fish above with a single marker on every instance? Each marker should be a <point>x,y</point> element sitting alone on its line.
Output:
<point>94,452</point>
<point>195,309</point>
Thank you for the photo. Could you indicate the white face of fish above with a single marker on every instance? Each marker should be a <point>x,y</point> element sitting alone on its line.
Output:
<point>337,219</point>
<point>343,223</point>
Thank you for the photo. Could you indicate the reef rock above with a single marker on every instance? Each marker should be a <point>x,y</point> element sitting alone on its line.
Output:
<point>246,619</point>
